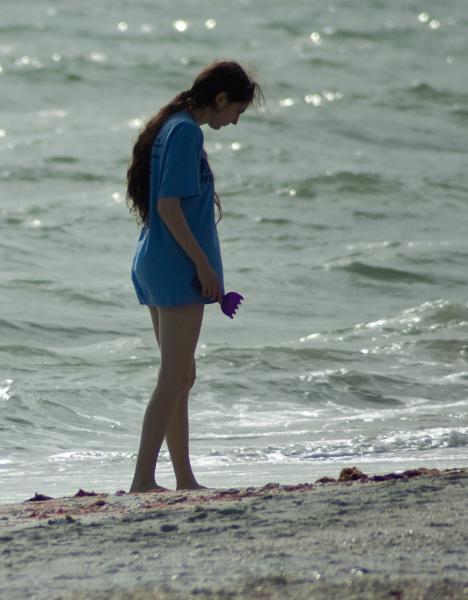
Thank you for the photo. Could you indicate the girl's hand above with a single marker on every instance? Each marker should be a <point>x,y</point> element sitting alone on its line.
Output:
<point>210,287</point>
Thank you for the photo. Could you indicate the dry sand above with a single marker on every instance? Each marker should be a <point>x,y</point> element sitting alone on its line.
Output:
<point>404,537</point>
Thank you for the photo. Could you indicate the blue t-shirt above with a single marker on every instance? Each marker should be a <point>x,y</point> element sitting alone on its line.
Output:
<point>162,272</point>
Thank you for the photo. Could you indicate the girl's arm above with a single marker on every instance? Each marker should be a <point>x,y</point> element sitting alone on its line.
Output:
<point>170,211</point>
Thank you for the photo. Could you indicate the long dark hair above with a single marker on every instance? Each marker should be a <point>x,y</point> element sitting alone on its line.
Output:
<point>219,76</point>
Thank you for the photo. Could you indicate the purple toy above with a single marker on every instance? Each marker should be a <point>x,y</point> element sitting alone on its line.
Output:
<point>230,303</point>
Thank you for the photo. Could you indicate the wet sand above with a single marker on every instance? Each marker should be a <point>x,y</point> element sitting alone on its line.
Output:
<point>398,536</point>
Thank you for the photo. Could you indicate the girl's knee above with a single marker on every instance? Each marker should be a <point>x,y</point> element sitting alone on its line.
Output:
<point>192,378</point>
<point>177,382</point>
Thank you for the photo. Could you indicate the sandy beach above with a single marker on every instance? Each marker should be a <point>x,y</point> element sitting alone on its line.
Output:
<point>396,536</point>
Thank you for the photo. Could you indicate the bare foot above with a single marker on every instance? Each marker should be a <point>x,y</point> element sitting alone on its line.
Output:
<point>149,487</point>
<point>191,486</point>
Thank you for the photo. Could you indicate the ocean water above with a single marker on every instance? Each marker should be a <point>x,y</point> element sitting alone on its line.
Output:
<point>345,227</point>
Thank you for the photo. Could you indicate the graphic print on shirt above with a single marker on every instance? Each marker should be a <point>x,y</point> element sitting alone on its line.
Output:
<point>206,175</point>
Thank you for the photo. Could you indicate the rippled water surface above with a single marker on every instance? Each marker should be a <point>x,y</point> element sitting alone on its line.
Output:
<point>345,229</point>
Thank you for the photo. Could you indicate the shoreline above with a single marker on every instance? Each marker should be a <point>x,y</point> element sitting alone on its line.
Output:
<point>356,536</point>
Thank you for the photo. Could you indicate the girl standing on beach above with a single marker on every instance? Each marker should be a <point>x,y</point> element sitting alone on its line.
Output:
<point>171,190</point>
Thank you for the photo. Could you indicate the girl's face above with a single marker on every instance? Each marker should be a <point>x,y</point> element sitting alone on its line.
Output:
<point>226,113</point>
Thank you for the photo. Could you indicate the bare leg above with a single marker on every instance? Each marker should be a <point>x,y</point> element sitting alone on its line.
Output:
<point>177,433</point>
<point>179,330</point>
<point>177,439</point>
